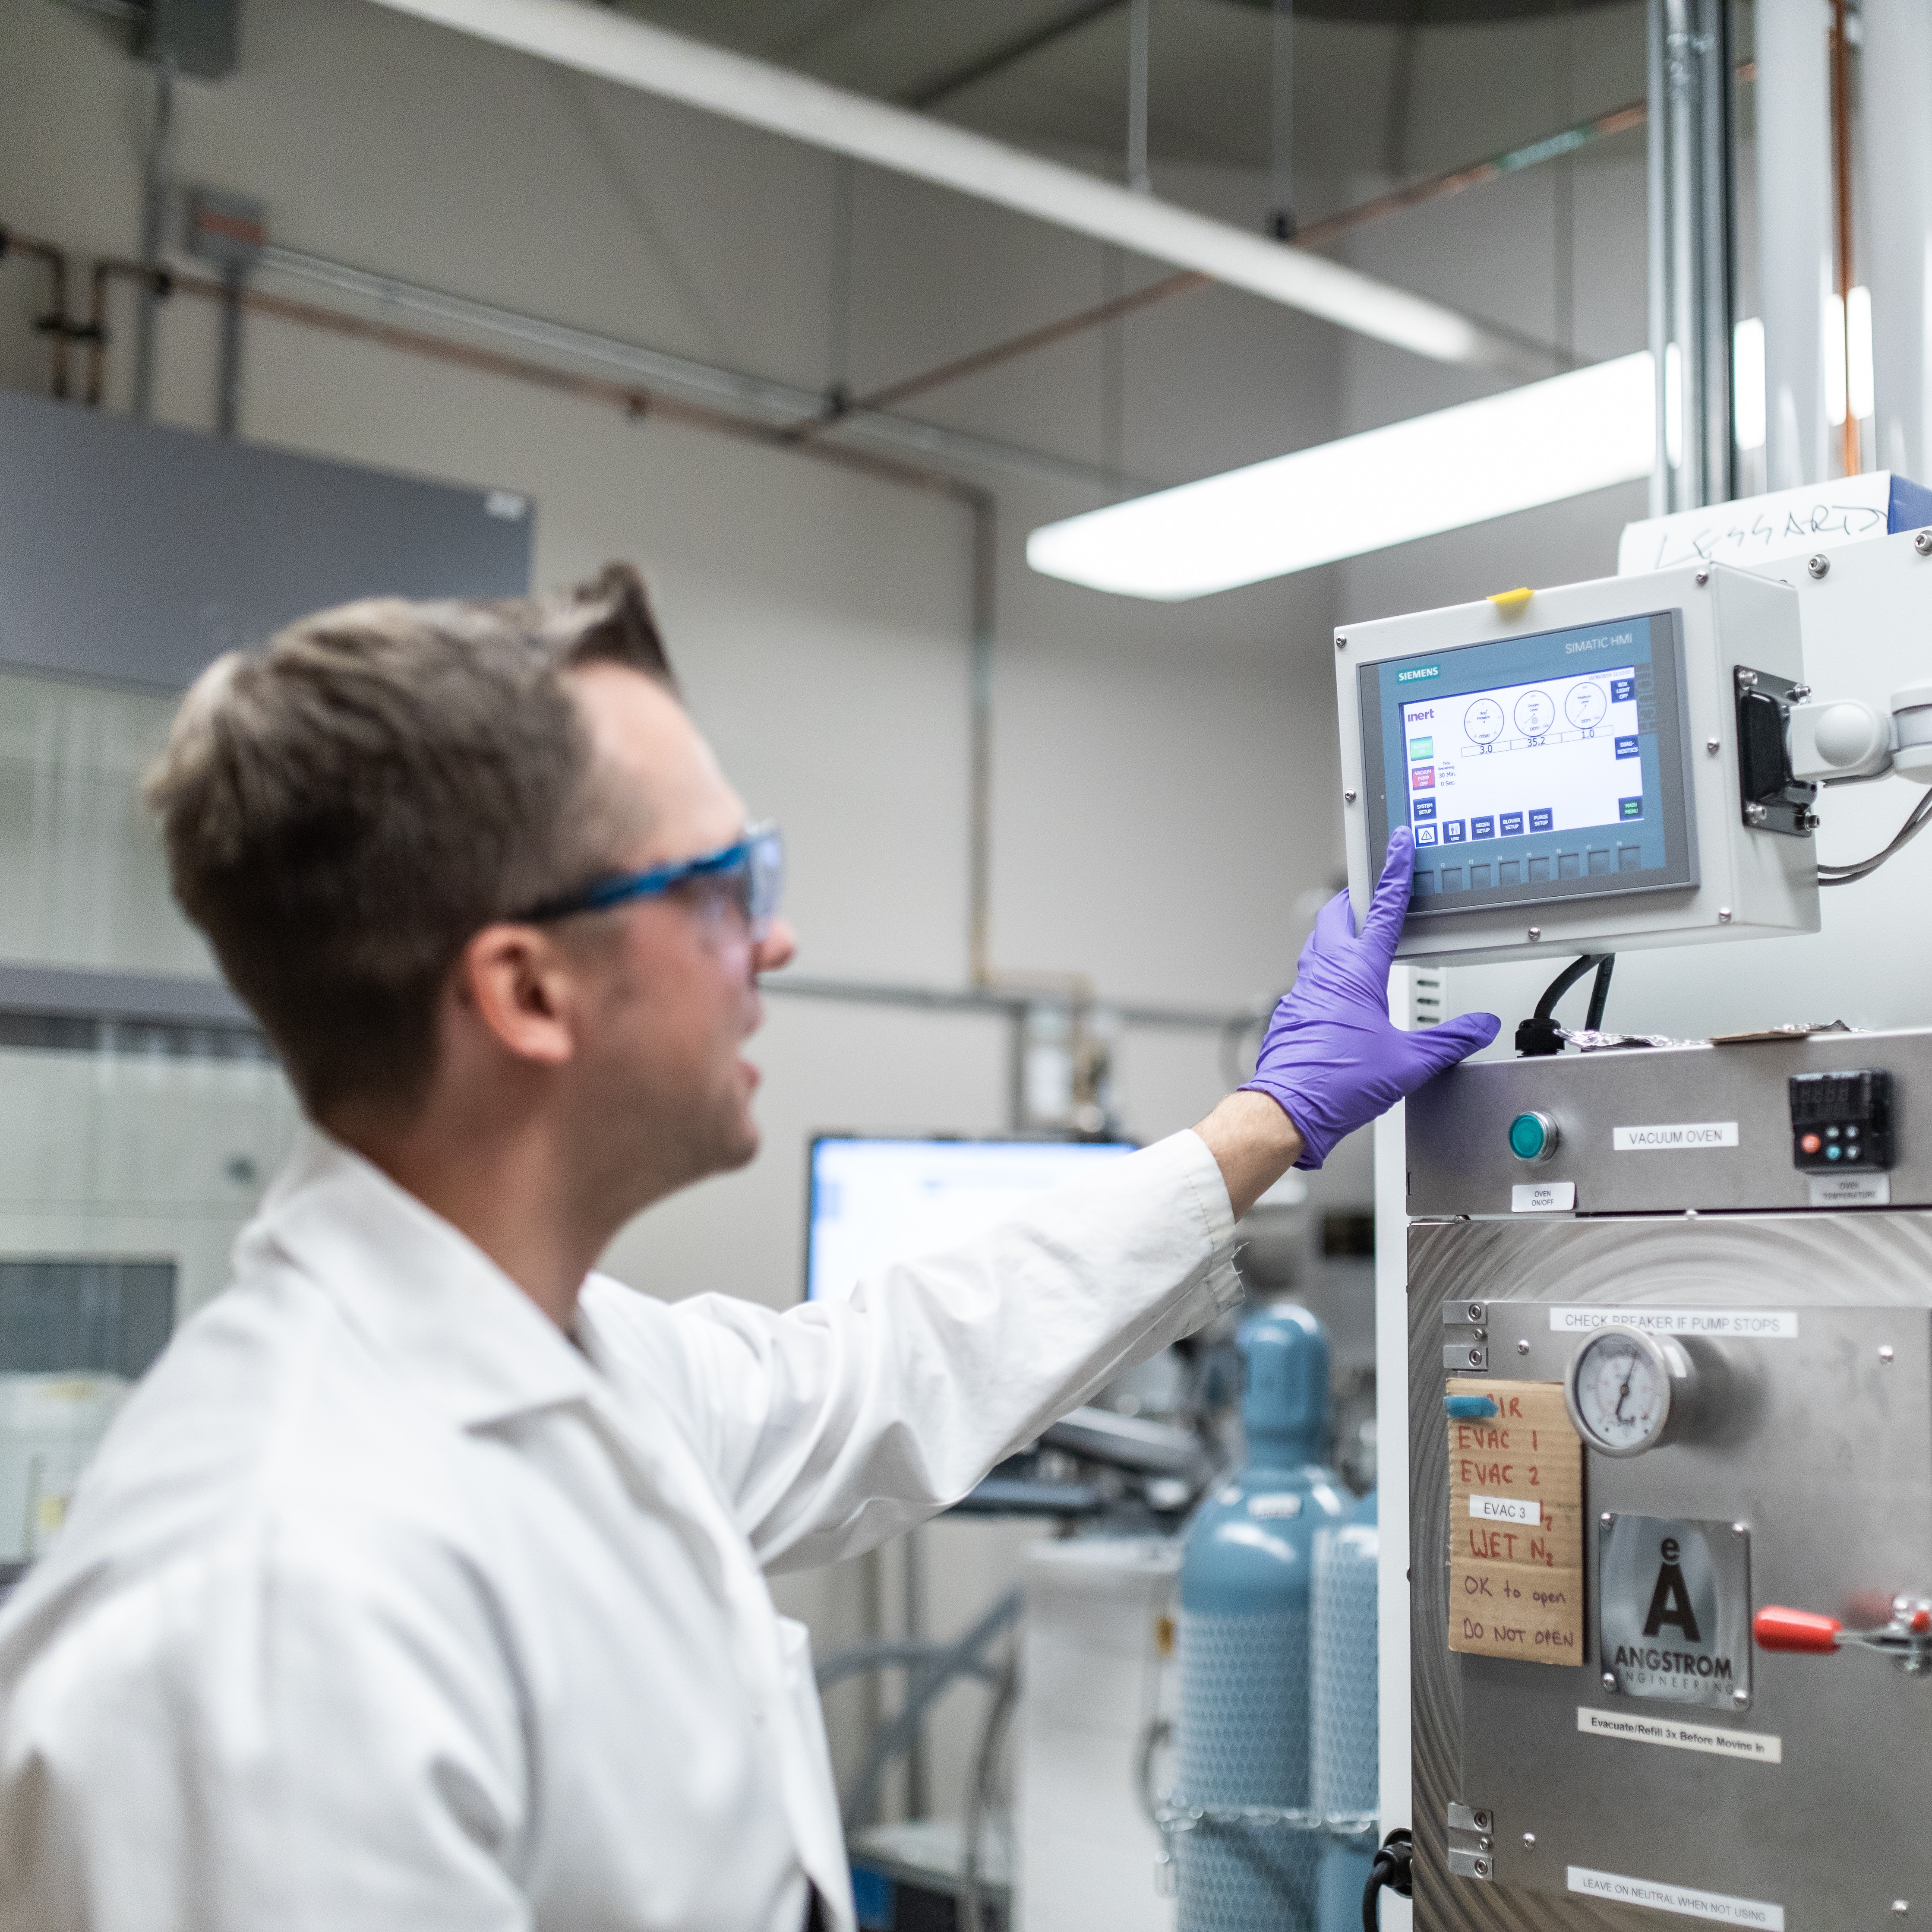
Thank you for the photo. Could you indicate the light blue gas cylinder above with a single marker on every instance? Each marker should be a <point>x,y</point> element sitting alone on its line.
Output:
<point>1242,1734</point>
<point>1343,1707</point>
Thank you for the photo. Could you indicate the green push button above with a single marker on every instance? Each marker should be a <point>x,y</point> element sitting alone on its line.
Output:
<point>1532,1136</point>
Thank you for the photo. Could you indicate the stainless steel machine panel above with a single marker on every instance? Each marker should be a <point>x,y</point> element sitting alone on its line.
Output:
<point>1790,1795</point>
<point>1608,1107</point>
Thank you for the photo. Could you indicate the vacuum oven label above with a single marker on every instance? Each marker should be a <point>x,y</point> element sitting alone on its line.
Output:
<point>1674,1610</point>
<point>1730,1324</point>
<point>1674,1138</point>
<point>1683,1900</point>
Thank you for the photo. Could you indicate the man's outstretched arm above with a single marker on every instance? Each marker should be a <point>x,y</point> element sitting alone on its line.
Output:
<point>835,1425</point>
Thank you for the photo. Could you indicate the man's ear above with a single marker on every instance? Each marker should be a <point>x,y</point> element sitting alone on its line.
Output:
<point>520,986</point>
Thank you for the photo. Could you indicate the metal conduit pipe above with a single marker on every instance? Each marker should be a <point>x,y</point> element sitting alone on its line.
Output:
<point>760,398</point>
<point>55,324</point>
<point>155,283</point>
<point>1692,167</point>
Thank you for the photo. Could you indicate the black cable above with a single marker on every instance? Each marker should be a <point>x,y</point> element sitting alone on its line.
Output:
<point>1599,994</point>
<point>1564,980</point>
<point>1394,1867</point>
<point>1541,1033</point>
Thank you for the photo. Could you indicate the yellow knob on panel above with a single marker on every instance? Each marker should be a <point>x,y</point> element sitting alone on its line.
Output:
<point>1510,602</point>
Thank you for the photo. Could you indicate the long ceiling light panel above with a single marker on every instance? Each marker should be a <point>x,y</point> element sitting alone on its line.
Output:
<point>596,41</point>
<point>1537,444</point>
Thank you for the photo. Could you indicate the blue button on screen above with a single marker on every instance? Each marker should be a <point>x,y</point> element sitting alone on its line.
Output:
<point>1512,823</point>
<point>1628,748</point>
<point>1452,831</point>
<point>1424,808</point>
<point>1543,821</point>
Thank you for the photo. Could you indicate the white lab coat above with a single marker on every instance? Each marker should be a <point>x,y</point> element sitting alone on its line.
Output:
<point>386,1609</point>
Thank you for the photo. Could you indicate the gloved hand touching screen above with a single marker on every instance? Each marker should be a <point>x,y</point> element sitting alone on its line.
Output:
<point>1332,1058</point>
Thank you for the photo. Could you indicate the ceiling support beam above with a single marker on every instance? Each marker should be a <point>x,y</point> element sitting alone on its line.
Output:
<point>613,47</point>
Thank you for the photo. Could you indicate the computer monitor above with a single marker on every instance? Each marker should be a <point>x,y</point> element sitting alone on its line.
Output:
<point>875,1199</point>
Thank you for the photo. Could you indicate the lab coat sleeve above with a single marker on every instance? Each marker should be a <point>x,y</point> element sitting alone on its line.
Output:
<point>833,1426</point>
<point>307,1738</point>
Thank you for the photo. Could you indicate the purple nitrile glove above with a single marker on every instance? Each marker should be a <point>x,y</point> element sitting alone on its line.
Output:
<point>1332,1059</point>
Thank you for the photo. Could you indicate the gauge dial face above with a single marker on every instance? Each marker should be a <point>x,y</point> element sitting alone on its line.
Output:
<point>1620,1392</point>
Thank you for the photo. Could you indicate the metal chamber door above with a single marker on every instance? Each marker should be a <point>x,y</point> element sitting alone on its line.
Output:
<point>1795,1796</point>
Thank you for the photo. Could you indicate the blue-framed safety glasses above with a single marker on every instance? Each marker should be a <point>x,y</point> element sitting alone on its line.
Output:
<point>752,870</point>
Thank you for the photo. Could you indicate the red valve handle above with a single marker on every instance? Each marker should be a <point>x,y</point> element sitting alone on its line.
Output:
<point>1776,1628</point>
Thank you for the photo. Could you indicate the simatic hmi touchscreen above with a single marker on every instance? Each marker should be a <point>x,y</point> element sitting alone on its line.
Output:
<point>1567,764</point>
<point>1533,769</point>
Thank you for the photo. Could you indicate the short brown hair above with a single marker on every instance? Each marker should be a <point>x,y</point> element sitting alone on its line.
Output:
<point>343,808</point>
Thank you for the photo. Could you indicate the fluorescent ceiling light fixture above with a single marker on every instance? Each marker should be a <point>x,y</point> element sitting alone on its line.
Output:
<point>1533,445</point>
<point>597,40</point>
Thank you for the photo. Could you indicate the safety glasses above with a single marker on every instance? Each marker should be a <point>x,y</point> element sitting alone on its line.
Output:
<point>751,871</point>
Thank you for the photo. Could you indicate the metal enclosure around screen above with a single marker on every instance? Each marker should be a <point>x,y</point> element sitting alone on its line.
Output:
<point>1575,767</point>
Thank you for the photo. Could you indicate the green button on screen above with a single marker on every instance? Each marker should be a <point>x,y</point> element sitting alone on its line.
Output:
<point>1526,1136</point>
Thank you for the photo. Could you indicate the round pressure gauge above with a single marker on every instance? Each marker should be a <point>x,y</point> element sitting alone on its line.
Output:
<point>1625,1390</point>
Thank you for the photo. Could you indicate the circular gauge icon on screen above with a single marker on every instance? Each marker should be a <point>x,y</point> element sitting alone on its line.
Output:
<point>1585,706</point>
<point>1535,713</point>
<point>1625,1389</point>
<point>1483,721</point>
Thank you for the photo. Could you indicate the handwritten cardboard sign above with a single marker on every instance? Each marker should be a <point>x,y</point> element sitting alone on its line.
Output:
<point>1516,1525</point>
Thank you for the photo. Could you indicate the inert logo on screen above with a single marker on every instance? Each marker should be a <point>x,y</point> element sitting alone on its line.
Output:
<point>1410,677</point>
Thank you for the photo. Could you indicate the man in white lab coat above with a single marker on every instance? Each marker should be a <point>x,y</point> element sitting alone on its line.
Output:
<point>421,1584</point>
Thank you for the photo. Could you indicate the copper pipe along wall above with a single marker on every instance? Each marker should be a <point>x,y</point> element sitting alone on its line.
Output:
<point>1841,189</point>
<point>55,324</point>
<point>1552,147</point>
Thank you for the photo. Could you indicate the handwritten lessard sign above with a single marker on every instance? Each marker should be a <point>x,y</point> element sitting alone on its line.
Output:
<point>1516,1525</point>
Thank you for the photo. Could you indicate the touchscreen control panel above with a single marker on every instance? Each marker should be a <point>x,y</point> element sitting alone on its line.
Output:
<point>1568,762</point>
<point>1546,766</point>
